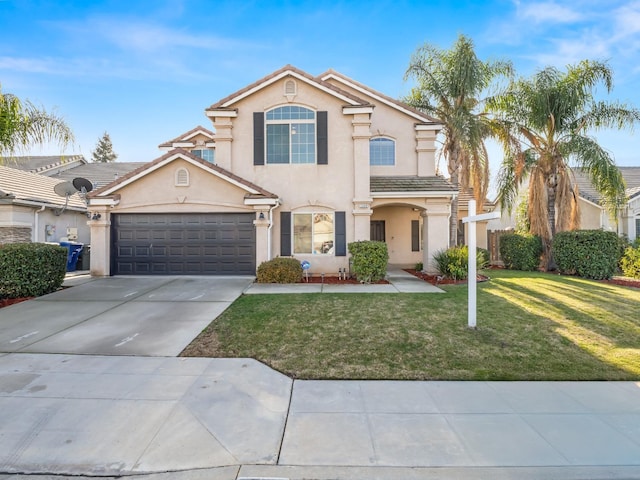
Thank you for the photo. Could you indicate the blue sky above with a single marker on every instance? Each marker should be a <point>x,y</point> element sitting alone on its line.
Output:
<point>144,71</point>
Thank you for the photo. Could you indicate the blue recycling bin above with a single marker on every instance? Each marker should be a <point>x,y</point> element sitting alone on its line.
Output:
<point>72,256</point>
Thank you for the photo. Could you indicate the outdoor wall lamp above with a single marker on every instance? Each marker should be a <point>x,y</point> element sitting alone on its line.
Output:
<point>96,216</point>
<point>261,216</point>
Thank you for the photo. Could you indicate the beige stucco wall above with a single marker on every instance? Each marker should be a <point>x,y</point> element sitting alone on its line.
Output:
<point>398,233</point>
<point>157,192</point>
<point>322,188</point>
<point>25,216</point>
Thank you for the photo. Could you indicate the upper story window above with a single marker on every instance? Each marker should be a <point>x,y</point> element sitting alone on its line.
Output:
<point>382,151</point>
<point>291,135</point>
<point>207,154</point>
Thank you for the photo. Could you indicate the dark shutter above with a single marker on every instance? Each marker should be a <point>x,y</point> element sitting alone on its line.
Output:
<point>322,137</point>
<point>285,234</point>
<point>258,138</point>
<point>415,236</point>
<point>341,235</point>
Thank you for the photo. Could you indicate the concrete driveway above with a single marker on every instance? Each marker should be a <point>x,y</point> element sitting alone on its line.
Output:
<point>146,316</point>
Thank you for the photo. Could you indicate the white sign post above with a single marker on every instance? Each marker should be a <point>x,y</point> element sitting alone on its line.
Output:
<point>472,278</point>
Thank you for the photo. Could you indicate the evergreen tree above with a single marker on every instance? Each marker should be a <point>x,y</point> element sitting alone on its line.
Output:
<point>104,150</point>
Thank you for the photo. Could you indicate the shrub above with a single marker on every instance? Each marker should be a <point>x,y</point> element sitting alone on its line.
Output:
<point>31,269</point>
<point>454,262</point>
<point>587,253</point>
<point>279,270</point>
<point>419,267</point>
<point>369,260</point>
<point>520,251</point>
<point>630,262</point>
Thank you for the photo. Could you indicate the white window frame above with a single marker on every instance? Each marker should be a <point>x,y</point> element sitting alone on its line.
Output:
<point>292,124</point>
<point>380,140</point>
<point>328,244</point>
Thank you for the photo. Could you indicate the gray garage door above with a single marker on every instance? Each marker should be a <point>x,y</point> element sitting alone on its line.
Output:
<point>183,244</point>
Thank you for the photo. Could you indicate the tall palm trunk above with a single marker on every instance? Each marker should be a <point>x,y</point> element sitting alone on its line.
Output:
<point>552,187</point>
<point>454,178</point>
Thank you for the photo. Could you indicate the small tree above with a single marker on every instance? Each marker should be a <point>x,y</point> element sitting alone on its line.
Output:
<point>104,150</point>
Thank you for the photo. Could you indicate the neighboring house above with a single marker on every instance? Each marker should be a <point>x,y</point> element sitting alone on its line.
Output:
<point>593,215</point>
<point>65,168</point>
<point>30,210</point>
<point>481,226</point>
<point>303,165</point>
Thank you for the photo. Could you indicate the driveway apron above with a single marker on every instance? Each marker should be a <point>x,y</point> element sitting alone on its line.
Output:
<point>144,316</point>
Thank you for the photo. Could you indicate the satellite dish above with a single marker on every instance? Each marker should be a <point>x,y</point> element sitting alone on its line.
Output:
<point>82,184</point>
<point>65,189</point>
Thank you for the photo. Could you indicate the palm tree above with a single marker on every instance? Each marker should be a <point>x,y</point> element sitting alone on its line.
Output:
<point>23,125</point>
<point>543,124</point>
<point>449,83</point>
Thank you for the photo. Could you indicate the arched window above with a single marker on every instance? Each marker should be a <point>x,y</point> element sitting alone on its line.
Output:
<point>382,151</point>
<point>182,177</point>
<point>291,135</point>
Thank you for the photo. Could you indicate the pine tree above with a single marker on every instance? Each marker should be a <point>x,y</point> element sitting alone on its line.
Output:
<point>104,150</point>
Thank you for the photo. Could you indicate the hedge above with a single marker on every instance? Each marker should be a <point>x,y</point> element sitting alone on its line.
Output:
<point>369,260</point>
<point>630,262</point>
<point>520,251</point>
<point>31,269</point>
<point>279,270</point>
<point>588,253</point>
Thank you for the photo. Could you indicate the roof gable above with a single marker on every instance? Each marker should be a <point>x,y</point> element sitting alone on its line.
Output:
<point>187,137</point>
<point>178,153</point>
<point>588,192</point>
<point>381,97</point>
<point>287,71</point>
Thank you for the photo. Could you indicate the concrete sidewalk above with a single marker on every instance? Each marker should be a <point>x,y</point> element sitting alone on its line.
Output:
<point>235,418</point>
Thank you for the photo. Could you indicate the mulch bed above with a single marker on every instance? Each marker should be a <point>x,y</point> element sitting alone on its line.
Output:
<point>5,302</point>
<point>333,280</point>
<point>624,282</point>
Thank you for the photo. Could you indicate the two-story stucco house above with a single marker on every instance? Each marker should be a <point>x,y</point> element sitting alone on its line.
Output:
<point>294,165</point>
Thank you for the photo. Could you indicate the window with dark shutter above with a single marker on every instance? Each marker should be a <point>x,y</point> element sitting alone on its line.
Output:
<point>341,234</point>
<point>285,234</point>
<point>258,138</point>
<point>415,236</point>
<point>323,140</point>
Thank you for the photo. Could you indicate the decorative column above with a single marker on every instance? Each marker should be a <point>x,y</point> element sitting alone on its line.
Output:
<point>223,123</point>
<point>362,200</point>
<point>262,237</point>
<point>435,230</point>
<point>426,149</point>
<point>100,242</point>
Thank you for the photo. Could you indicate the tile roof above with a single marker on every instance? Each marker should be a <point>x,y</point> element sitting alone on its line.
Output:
<point>190,156</point>
<point>99,174</point>
<point>31,187</point>
<point>464,197</point>
<point>43,163</point>
<point>587,191</point>
<point>411,184</point>
<point>226,102</point>
<point>340,77</point>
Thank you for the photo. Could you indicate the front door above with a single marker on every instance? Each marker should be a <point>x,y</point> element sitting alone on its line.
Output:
<point>377,230</point>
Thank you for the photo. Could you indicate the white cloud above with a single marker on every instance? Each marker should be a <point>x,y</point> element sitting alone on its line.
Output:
<point>545,12</point>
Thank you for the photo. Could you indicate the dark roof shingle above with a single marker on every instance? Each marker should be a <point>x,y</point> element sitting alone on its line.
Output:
<point>411,184</point>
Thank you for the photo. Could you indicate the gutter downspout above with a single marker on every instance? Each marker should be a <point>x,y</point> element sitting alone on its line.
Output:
<point>270,227</point>
<point>36,227</point>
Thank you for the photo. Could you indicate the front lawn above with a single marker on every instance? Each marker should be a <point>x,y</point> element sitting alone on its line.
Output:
<point>531,326</point>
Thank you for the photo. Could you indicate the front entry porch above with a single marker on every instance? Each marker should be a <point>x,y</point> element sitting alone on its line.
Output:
<point>412,232</point>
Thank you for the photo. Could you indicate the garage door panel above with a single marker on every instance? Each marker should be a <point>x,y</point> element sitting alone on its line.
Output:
<point>183,244</point>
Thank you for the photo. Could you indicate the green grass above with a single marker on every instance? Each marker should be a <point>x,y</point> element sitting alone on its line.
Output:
<point>531,326</point>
